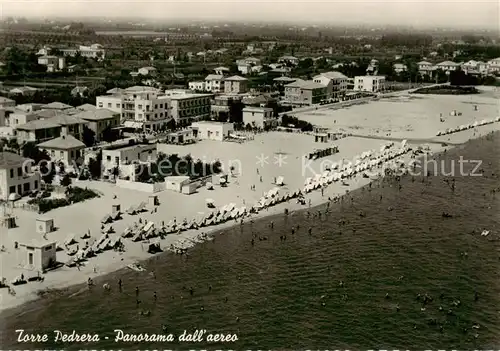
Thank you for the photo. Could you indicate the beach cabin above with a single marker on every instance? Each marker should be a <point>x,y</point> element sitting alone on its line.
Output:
<point>37,255</point>
<point>189,188</point>
<point>212,130</point>
<point>176,183</point>
<point>219,179</point>
<point>44,225</point>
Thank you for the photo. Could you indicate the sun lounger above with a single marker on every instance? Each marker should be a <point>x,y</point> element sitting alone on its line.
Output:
<point>141,207</point>
<point>116,215</point>
<point>106,219</point>
<point>70,240</point>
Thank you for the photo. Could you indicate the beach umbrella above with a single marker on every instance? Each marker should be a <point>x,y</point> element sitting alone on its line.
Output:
<point>497,119</point>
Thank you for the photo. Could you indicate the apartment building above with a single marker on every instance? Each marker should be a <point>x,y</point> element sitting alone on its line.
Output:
<point>371,84</point>
<point>302,92</point>
<point>140,107</point>
<point>99,120</point>
<point>222,104</point>
<point>16,176</point>
<point>335,83</point>
<point>40,130</point>
<point>214,83</point>
<point>448,66</point>
<point>197,86</point>
<point>186,107</point>
<point>235,85</point>
<point>259,117</point>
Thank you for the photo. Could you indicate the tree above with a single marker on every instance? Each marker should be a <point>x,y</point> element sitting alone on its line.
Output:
<point>66,180</point>
<point>109,135</point>
<point>88,136</point>
<point>95,166</point>
<point>48,172</point>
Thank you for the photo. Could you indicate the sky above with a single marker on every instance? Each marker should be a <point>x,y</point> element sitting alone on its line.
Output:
<point>424,13</point>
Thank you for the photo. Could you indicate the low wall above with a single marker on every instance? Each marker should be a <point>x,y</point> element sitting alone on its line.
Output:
<point>145,187</point>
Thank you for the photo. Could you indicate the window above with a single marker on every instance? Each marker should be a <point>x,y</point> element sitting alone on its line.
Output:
<point>35,186</point>
<point>100,104</point>
<point>156,106</point>
<point>117,105</point>
<point>117,160</point>
<point>109,104</point>
<point>12,189</point>
<point>161,105</point>
<point>253,114</point>
<point>19,171</point>
<point>140,107</point>
<point>108,158</point>
<point>156,115</point>
<point>161,114</point>
<point>26,187</point>
<point>61,153</point>
<point>72,153</point>
<point>150,151</point>
<point>12,173</point>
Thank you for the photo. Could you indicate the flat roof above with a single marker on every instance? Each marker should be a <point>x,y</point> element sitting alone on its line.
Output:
<point>9,159</point>
<point>127,147</point>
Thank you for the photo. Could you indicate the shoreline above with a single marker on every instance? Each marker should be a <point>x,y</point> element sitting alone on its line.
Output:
<point>113,267</point>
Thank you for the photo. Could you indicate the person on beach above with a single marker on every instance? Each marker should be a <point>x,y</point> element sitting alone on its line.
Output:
<point>310,230</point>
<point>136,291</point>
<point>155,296</point>
<point>120,284</point>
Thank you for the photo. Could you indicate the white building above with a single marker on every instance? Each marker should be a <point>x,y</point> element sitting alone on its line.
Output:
<point>140,107</point>
<point>95,51</point>
<point>335,83</point>
<point>37,255</point>
<point>259,117</point>
<point>66,149</point>
<point>494,66</point>
<point>214,83</point>
<point>399,68</point>
<point>475,67</point>
<point>448,66</point>
<point>126,155</point>
<point>426,68</point>
<point>16,176</point>
<point>197,86</point>
<point>147,71</point>
<point>289,59</point>
<point>212,130</point>
<point>371,84</point>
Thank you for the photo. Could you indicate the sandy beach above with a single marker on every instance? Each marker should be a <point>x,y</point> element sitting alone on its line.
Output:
<point>273,154</point>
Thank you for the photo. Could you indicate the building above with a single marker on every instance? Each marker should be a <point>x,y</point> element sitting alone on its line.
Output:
<point>32,107</point>
<point>235,85</point>
<point>19,117</point>
<point>140,107</point>
<point>494,66</point>
<point>123,156</point>
<point>99,120</point>
<point>23,91</point>
<point>399,68</point>
<point>475,67</point>
<point>53,63</point>
<point>448,66</point>
<point>95,51</point>
<point>371,84</point>
<point>222,104</point>
<point>186,107</point>
<point>66,149</point>
<point>221,70</point>
<point>40,130</point>
<point>147,71</point>
<point>212,130</point>
<point>16,176</point>
<point>5,102</point>
<point>56,106</point>
<point>37,255</point>
<point>214,83</point>
<point>335,83</point>
<point>426,68</point>
<point>372,68</point>
<point>197,86</point>
<point>303,92</point>
<point>289,59</point>
<point>259,117</point>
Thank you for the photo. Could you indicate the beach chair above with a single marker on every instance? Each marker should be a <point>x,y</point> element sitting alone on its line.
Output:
<point>141,207</point>
<point>132,210</point>
<point>116,215</point>
<point>106,219</point>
